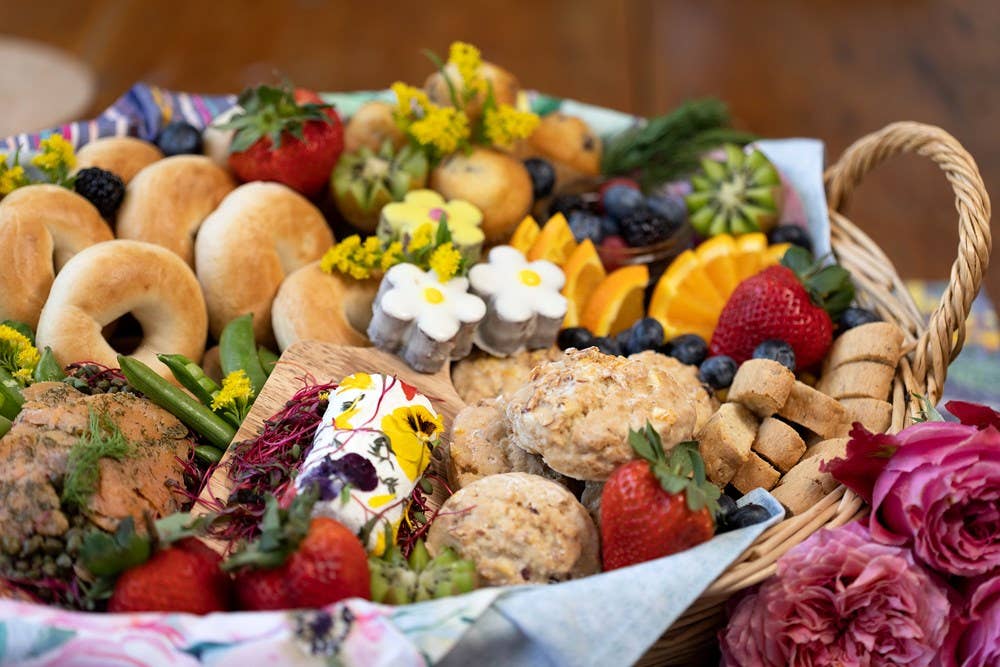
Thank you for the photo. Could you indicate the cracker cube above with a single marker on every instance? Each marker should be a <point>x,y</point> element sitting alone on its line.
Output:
<point>756,472</point>
<point>778,443</point>
<point>856,379</point>
<point>725,440</point>
<point>874,414</point>
<point>881,342</point>
<point>816,411</point>
<point>762,385</point>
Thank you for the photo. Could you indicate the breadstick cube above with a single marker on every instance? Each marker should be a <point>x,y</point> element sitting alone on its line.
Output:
<point>725,440</point>
<point>816,411</point>
<point>858,379</point>
<point>762,385</point>
<point>756,472</point>
<point>804,486</point>
<point>778,443</point>
<point>880,342</point>
<point>874,414</point>
<point>826,450</point>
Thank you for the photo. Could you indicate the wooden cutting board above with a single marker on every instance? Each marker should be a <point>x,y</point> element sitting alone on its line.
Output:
<point>315,362</point>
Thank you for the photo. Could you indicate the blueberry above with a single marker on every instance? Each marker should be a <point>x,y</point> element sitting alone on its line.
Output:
<point>671,208</point>
<point>586,225</point>
<point>646,334</point>
<point>179,138</point>
<point>610,226</point>
<point>543,176</point>
<point>855,317</point>
<point>747,515</point>
<point>776,350</point>
<point>718,372</point>
<point>577,337</point>
<point>608,346</point>
<point>726,507</point>
<point>566,204</point>
<point>794,234</point>
<point>688,349</point>
<point>621,200</point>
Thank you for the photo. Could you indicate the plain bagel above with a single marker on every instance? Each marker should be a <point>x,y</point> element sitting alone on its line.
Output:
<point>109,280</point>
<point>259,234</point>
<point>314,305</point>
<point>167,201</point>
<point>41,228</point>
<point>122,156</point>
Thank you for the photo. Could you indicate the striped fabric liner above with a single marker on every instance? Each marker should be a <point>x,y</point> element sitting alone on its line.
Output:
<point>140,112</point>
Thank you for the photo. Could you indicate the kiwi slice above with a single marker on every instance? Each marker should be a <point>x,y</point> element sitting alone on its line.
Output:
<point>364,181</point>
<point>398,580</point>
<point>738,195</point>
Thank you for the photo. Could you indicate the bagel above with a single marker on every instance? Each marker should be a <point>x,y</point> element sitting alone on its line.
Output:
<point>41,228</point>
<point>260,233</point>
<point>122,156</point>
<point>111,279</point>
<point>314,305</point>
<point>167,201</point>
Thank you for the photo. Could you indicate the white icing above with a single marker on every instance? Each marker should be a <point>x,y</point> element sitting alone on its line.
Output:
<point>437,308</point>
<point>515,300</point>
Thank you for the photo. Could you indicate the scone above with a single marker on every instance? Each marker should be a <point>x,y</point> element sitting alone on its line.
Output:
<point>480,446</point>
<point>482,376</point>
<point>576,412</point>
<point>705,403</point>
<point>518,528</point>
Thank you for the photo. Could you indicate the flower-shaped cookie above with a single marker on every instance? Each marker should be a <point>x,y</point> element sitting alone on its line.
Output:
<point>425,321</point>
<point>399,221</point>
<point>523,305</point>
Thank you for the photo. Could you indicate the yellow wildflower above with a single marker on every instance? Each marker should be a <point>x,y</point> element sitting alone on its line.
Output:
<point>505,125</point>
<point>393,255</point>
<point>446,261</point>
<point>235,389</point>
<point>422,237</point>
<point>358,259</point>
<point>410,100</point>
<point>443,128</point>
<point>55,152</point>
<point>17,355</point>
<point>11,178</point>
<point>467,59</point>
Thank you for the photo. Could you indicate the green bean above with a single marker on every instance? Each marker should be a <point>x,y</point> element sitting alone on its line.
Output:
<point>4,426</point>
<point>11,399</point>
<point>191,376</point>
<point>48,369</point>
<point>238,351</point>
<point>267,359</point>
<point>207,454</point>
<point>198,417</point>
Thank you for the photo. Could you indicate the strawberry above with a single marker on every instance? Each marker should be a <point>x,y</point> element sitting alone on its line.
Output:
<point>184,577</point>
<point>285,136</point>
<point>793,302</point>
<point>300,561</point>
<point>656,505</point>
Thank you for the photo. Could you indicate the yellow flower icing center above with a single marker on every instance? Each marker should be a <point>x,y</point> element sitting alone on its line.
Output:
<point>529,278</point>
<point>433,295</point>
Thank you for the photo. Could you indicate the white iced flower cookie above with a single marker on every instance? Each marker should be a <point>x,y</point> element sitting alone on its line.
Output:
<point>423,320</point>
<point>523,305</point>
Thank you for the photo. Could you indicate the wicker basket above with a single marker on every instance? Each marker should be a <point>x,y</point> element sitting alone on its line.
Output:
<point>930,346</point>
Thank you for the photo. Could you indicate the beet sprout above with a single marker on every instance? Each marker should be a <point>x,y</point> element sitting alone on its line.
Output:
<point>80,370</point>
<point>419,514</point>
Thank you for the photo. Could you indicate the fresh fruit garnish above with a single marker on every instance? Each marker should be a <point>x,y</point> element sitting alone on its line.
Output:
<point>566,204</point>
<point>690,349</point>
<point>793,302</point>
<point>776,350</point>
<point>657,505</point>
<point>740,194</point>
<point>793,234</point>
<point>584,272</point>
<point>855,317</point>
<point>717,256</point>
<point>398,580</point>
<point>608,345</point>
<point>101,188</point>
<point>741,517</point>
<point>646,334</point>
<point>299,561</point>
<point>525,235</point>
<point>671,208</point>
<point>617,302</point>
<point>718,371</point>
<point>179,138</point>
<point>575,337</point>
<point>365,181</point>
<point>287,136</point>
<point>615,182</point>
<point>621,200</point>
<point>613,251</point>
<point>555,242</point>
<point>543,176</point>
<point>643,227</point>
<point>610,227</point>
<point>747,259</point>
<point>586,226</point>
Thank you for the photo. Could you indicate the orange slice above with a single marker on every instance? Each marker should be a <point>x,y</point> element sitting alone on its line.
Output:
<point>774,254</point>
<point>555,242</point>
<point>617,303</point>
<point>525,235</point>
<point>749,248</point>
<point>716,257</point>
<point>584,272</point>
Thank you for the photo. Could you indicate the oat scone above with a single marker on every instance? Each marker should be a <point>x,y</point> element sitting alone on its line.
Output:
<point>480,446</point>
<point>687,376</point>
<point>518,528</point>
<point>483,376</point>
<point>576,412</point>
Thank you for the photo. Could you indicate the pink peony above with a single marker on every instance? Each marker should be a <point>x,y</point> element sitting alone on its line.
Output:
<point>975,638</point>
<point>940,494</point>
<point>840,599</point>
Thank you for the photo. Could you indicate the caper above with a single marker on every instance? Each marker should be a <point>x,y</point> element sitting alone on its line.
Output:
<point>64,561</point>
<point>50,569</point>
<point>53,546</point>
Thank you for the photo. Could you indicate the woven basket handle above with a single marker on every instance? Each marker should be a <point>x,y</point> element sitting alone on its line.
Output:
<point>941,342</point>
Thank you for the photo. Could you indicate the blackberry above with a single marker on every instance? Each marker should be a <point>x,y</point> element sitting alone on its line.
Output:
<point>643,227</point>
<point>543,177</point>
<point>566,204</point>
<point>101,188</point>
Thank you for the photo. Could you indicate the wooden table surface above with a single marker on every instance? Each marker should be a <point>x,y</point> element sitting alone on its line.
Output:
<point>825,68</point>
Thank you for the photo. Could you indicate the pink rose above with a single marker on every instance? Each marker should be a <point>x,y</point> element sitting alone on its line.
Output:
<point>975,639</point>
<point>840,599</point>
<point>940,494</point>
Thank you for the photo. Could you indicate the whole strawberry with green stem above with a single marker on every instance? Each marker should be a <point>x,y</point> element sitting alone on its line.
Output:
<point>796,301</point>
<point>656,505</point>
<point>287,136</point>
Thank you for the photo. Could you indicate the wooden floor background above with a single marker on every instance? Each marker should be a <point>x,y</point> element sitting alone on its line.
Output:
<point>833,69</point>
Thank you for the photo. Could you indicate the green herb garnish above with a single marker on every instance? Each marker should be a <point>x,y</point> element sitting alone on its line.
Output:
<point>102,439</point>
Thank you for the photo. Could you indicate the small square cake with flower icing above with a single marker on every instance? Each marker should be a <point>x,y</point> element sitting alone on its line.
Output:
<point>524,308</point>
<point>425,321</point>
<point>399,221</point>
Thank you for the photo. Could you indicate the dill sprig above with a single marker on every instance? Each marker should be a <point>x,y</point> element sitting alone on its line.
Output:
<point>102,439</point>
